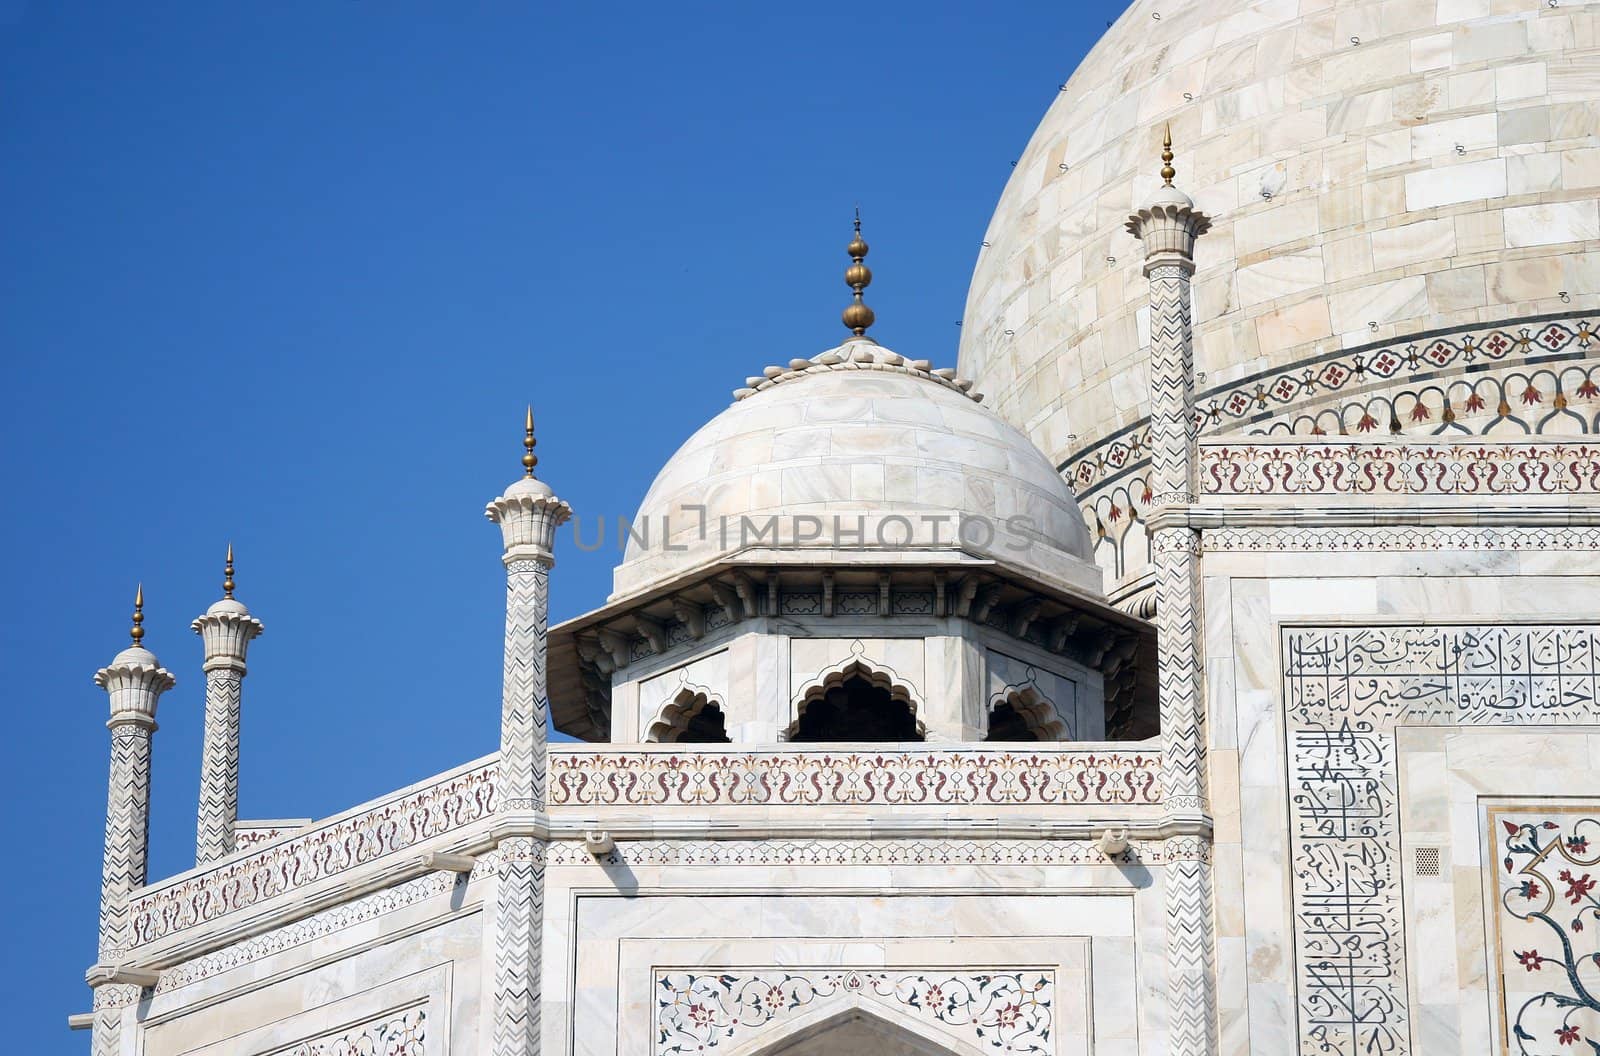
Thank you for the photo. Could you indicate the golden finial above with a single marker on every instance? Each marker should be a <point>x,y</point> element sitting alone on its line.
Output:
<point>227,574</point>
<point>137,634</point>
<point>858,277</point>
<point>529,459</point>
<point>1167,171</point>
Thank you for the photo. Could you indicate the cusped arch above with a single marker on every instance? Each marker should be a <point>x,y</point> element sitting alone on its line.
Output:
<point>880,676</point>
<point>851,1024</point>
<point>1037,712</point>
<point>680,711</point>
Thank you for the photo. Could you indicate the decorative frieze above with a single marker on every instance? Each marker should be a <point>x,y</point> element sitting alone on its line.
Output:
<point>1413,359</point>
<point>1002,1009</point>
<point>930,852</point>
<point>900,778</point>
<point>1400,468</point>
<point>325,850</point>
<point>1345,690</point>
<point>1397,538</point>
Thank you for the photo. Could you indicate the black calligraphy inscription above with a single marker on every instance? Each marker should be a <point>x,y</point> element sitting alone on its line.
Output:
<point>1345,691</point>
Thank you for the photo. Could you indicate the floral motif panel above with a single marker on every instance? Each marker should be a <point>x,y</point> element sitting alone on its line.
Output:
<point>403,1033</point>
<point>1001,1010</point>
<point>1547,926</point>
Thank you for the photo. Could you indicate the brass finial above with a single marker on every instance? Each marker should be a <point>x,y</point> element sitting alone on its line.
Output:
<point>227,574</point>
<point>137,634</point>
<point>858,277</point>
<point>529,459</point>
<point>1167,171</point>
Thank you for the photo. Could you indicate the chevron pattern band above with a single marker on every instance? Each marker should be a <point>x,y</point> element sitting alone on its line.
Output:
<point>219,767</point>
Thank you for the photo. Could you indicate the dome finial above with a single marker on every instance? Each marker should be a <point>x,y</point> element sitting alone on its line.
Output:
<point>529,459</point>
<point>1167,171</point>
<point>227,574</point>
<point>137,634</point>
<point>858,277</point>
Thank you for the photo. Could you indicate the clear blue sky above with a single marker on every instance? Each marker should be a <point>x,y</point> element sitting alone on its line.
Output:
<point>286,274</point>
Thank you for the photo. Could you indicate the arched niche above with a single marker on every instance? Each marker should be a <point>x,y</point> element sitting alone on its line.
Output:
<point>853,1030</point>
<point>1022,713</point>
<point>690,717</point>
<point>856,702</point>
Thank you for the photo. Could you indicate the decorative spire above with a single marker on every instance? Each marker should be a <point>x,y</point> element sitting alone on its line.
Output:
<point>227,574</point>
<point>858,277</point>
<point>1167,171</point>
<point>137,633</point>
<point>529,459</point>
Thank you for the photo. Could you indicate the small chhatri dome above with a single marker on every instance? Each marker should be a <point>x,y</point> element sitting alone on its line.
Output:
<point>858,435</point>
<point>858,277</point>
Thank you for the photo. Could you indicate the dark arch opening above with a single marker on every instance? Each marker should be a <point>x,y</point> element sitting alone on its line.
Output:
<point>1008,724</point>
<point>856,710</point>
<point>706,726</point>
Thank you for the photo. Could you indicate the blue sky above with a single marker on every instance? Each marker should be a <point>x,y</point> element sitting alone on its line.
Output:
<point>286,274</point>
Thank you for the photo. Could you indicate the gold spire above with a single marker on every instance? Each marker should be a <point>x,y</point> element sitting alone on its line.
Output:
<point>1167,171</point>
<point>137,634</point>
<point>227,574</point>
<point>858,277</point>
<point>529,459</point>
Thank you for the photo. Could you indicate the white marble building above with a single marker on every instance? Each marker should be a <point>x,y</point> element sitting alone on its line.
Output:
<point>1211,665</point>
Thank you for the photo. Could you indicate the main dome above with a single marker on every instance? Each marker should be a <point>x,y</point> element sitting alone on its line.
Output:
<point>887,446</point>
<point>1372,171</point>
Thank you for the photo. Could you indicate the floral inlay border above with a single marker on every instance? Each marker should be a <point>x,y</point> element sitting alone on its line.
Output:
<point>1409,359</point>
<point>902,778</point>
<point>1004,1009</point>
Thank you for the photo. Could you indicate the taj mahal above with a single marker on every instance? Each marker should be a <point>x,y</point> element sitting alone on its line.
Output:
<point>1207,662</point>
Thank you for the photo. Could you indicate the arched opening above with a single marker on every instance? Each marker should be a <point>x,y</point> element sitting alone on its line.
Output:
<point>855,1030</point>
<point>1022,713</point>
<point>706,726</point>
<point>690,718</point>
<point>1006,724</point>
<point>855,709</point>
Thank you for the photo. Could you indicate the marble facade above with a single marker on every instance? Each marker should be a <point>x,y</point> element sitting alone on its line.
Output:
<point>1240,612</point>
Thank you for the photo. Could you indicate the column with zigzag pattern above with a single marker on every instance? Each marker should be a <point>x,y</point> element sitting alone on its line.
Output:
<point>1168,228</point>
<point>134,681</point>
<point>528,514</point>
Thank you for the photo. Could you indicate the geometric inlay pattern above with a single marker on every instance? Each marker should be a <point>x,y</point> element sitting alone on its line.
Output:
<point>1006,1010</point>
<point>1345,691</point>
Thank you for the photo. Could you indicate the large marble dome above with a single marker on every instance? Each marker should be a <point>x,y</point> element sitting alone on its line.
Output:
<point>1376,173</point>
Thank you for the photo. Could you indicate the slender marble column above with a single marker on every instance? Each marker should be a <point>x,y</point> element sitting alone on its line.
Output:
<point>1169,227</point>
<point>528,514</point>
<point>227,629</point>
<point>134,681</point>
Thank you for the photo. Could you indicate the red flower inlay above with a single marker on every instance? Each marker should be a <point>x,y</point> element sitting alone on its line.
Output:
<point>1567,1035</point>
<point>1588,390</point>
<point>1531,395</point>
<point>1419,413</point>
<point>1529,959</point>
<point>1367,423</point>
<point>1474,402</point>
<point>1577,888</point>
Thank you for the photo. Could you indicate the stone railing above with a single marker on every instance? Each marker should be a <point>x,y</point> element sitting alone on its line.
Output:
<point>1476,468</point>
<point>381,842</point>
<point>385,828</point>
<point>669,776</point>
